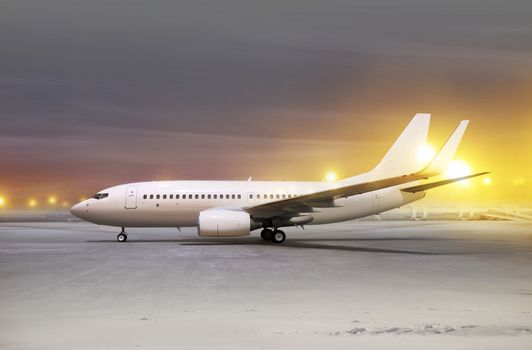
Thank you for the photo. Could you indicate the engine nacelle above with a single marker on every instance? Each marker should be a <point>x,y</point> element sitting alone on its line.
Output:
<point>223,223</point>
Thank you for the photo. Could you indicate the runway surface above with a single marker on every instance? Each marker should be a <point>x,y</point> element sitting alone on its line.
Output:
<point>406,285</point>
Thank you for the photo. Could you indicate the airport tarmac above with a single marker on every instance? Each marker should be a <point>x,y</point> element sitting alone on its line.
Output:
<point>373,285</point>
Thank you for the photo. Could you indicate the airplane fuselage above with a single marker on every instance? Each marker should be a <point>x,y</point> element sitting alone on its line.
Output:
<point>178,203</point>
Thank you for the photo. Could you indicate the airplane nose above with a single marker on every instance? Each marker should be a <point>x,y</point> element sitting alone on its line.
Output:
<point>77,209</point>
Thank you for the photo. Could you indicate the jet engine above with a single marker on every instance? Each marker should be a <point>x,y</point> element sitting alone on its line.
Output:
<point>224,223</point>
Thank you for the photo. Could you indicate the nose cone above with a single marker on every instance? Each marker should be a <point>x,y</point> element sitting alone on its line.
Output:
<point>77,210</point>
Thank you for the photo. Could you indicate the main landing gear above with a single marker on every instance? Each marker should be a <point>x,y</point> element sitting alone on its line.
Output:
<point>266,234</point>
<point>276,236</point>
<point>122,236</point>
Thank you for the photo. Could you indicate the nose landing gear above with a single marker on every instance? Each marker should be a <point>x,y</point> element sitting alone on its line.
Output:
<point>122,236</point>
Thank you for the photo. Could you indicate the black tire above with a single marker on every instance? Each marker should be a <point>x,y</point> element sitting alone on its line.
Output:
<point>121,237</point>
<point>266,234</point>
<point>278,236</point>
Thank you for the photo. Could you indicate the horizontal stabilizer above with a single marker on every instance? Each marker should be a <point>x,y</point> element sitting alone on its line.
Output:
<point>424,187</point>
<point>446,154</point>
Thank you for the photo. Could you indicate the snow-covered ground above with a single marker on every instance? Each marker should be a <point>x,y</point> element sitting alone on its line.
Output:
<point>371,285</point>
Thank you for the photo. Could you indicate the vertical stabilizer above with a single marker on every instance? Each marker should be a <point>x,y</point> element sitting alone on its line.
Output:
<point>403,157</point>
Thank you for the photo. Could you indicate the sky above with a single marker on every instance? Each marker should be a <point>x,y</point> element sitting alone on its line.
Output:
<point>98,93</point>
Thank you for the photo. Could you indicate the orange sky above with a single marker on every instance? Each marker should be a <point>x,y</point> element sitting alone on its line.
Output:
<point>503,149</point>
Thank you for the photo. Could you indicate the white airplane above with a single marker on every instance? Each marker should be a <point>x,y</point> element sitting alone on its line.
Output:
<point>235,208</point>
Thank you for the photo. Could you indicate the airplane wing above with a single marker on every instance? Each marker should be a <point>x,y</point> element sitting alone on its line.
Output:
<point>428,186</point>
<point>322,199</point>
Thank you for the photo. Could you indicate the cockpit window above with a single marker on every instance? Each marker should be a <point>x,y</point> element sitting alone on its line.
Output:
<point>100,195</point>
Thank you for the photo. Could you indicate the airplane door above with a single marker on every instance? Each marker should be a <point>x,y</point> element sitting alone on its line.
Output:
<point>376,199</point>
<point>131,197</point>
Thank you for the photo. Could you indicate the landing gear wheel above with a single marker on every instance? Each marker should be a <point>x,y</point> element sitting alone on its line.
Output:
<point>278,236</point>
<point>266,234</point>
<point>121,237</point>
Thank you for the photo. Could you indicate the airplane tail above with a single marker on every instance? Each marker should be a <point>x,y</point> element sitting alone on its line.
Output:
<point>403,157</point>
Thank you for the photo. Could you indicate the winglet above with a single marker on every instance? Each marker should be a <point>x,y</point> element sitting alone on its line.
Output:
<point>446,154</point>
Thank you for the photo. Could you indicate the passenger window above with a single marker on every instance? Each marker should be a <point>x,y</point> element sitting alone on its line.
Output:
<point>176,196</point>
<point>277,196</point>
<point>151,196</point>
<point>215,196</point>
<point>171,196</point>
<point>158,197</point>
<point>226,196</point>
<point>258,196</point>
<point>239,196</point>
<point>164,196</point>
<point>145,196</point>
<point>208,196</point>
<point>202,196</point>
<point>271,196</point>
<point>189,196</point>
<point>250,196</point>
<point>197,196</point>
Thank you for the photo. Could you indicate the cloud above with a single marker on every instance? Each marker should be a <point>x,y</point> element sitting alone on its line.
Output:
<point>225,89</point>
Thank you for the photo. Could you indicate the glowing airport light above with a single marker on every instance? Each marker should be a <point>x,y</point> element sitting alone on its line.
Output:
<point>2,201</point>
<point>486,181</point>
<point>330,176</point>
<point>458,168</point>
<point>425,154</point>
<point>52,200</point>
<point>32,203</point>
